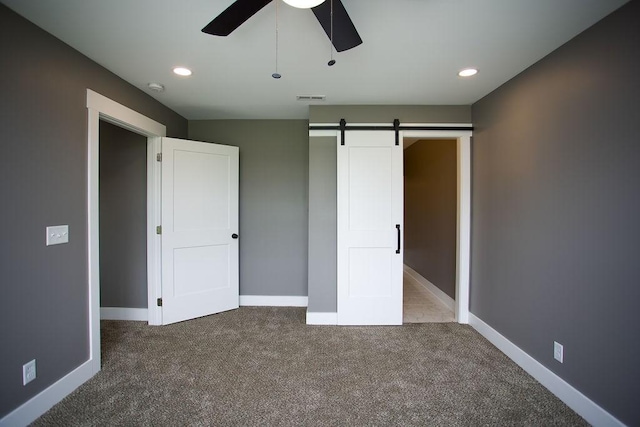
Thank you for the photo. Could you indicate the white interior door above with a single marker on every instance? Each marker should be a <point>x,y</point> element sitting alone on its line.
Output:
<point>199,229</point>
<point>370,223</point>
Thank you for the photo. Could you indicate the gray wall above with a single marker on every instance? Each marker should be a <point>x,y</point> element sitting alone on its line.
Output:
<point>430,211</point>
<point>323,225</point>
<point>322,184</point>
<point>273,200</point>
<point>387,113</point>
<point>43,181</point>
<point>123,218</point>
<point>556,208</point>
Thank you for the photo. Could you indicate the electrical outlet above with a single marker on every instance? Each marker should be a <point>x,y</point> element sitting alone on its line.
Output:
<point>28,372</point>
<point>558,352</point>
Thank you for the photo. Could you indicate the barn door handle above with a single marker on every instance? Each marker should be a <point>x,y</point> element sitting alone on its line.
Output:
<point>234,236</point>
<point>398,228</point>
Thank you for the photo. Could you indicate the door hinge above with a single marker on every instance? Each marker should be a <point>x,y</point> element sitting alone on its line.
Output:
<point>159,302</point>
<point>159,157</point>
<point>159,229</point>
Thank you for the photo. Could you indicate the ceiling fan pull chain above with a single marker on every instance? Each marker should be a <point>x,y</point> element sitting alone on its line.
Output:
<point>276,75</point>
<point>332,61</point>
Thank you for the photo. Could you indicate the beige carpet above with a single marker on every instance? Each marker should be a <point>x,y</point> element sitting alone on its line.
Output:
<point>264,366</point>
<point>421,306</point>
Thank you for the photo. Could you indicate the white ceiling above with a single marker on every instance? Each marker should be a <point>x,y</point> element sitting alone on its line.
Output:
<point>411,53</point>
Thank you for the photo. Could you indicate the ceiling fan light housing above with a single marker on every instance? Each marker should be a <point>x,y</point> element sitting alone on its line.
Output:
<point>304,4</point>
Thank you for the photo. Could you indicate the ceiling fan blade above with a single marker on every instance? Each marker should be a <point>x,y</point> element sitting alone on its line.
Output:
<point>234,16</point>
<point>345,35</point>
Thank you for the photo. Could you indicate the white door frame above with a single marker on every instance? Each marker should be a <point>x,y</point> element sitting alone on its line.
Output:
<point>463,228</point>
<point>100,107</point>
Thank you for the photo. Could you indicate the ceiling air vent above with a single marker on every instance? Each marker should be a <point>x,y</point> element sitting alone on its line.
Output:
<point>310,97</point>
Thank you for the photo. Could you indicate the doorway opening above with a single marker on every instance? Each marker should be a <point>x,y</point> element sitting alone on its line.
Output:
<point>462,140</point>
<point>430,205</point>
<point>123,223</point>
<point>102,108</point>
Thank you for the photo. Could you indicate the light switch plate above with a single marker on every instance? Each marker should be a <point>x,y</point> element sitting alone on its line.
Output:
<point>57,234</point>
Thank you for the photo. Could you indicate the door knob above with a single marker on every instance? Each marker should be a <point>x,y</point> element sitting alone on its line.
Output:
<point>234,236</point>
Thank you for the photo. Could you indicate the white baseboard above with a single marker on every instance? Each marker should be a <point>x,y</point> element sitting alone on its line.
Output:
<point>318,318</point>
<point>120,313</point>
<point>577,401</point>
<point>43,401</point>
<point>414,276</point>
<point>273,301</point>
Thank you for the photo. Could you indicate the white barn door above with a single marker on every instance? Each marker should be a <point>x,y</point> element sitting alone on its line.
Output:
<point>199,229</point>
<point>370,224</point>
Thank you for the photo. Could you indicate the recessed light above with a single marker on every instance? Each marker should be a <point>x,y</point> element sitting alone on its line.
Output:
<point>182,71</point>
<point>468,72</point>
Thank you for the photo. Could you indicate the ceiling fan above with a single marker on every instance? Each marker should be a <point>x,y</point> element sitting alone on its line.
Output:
<point>344,35</point>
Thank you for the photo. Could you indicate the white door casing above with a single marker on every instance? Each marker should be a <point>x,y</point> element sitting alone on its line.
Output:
<point>199,218</point>
<point>99,108</point>
<point>463,235</point>
<point>370,224</point>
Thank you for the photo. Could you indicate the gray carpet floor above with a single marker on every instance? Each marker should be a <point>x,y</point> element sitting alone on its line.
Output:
<point>264,366</point>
